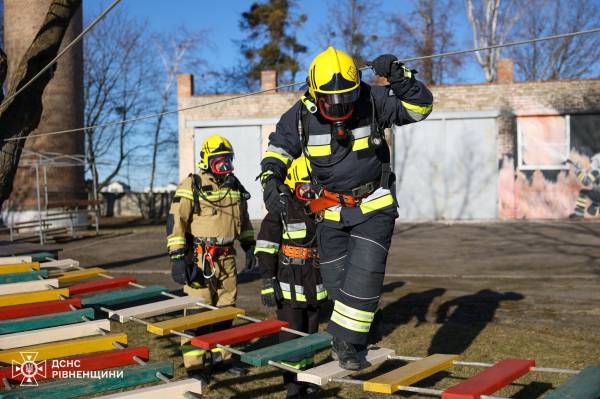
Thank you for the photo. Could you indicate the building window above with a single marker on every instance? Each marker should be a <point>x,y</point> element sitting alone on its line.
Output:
<point>543,142</point>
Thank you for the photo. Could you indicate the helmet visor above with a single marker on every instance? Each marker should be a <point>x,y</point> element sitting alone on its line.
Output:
<point>222,164</point>
<point>337,106</point>
<point>306,192</point>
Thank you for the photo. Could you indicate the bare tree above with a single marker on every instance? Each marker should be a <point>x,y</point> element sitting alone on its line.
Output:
<point>425,31</point>
<point>116,76</point>
<point>557,59</point>
<point>20,115</point>
<point>491,22</point>
<point>352,25</point>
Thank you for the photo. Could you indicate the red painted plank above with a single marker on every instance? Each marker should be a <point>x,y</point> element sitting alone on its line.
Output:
<point>100,285</point>
<point>92,361</point>
<point>490,380</point>
<point>38,309</point>
<point>238,334</point>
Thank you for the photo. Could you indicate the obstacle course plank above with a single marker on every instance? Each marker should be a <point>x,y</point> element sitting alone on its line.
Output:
<point>28,286</point>
<point>584,385</point>
<point>44,321</point>
<point>129,295</point>
<point>194,320</point>
<point>174,389</point>
<point>320,375</point>
<point>409,374</point>
<point>32,297</point>
<point>100,285</point>
<point>82,274</point>
<point>153,309</point>
<point>294,348</point>
<point>65,348</point>
<point>11,260</point>
<point>23,276</point>
<point>52,334</point>
<point>93,361</point>
<point>38,308</point>
<point>19,267</point>
<point>42,256</point>
<point>239,334</point>
<point>490,380</point>
<point>60,264</point>
<point>132,376</point>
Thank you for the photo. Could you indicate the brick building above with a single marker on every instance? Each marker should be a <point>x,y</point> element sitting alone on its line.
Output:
<point>488,151</point>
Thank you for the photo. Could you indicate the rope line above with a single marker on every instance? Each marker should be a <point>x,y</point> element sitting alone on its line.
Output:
<point>61,53</point>
<point>150,116</point>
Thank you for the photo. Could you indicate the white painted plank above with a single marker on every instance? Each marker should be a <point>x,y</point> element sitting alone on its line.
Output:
<point>10,260</point>
<point>153,309</point>
<point>52,334</point>
<point>320,375</point>
<point>174,389</point>
<point>60,264</point>
<point>28,286</point>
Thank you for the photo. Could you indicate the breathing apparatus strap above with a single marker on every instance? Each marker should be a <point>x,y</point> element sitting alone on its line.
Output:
<point>196,192</point>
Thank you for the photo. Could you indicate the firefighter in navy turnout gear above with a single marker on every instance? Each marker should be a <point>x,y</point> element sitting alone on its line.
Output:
<point>286,250</point>
<point>591,179</point>
<point>208,213</point>
<point>338,125</point>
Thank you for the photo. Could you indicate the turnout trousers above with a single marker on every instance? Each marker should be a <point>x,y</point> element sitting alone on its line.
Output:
<point>352,266</point>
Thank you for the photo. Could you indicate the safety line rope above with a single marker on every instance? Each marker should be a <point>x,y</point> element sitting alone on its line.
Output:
<point>150,116</point>
<point>61,53</point>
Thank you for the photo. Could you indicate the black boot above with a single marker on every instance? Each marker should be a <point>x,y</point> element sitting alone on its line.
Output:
<point>201,375</point>
<point>346,354</point>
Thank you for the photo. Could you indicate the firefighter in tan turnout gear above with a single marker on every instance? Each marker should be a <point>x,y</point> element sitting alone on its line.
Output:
<point>208,213</point>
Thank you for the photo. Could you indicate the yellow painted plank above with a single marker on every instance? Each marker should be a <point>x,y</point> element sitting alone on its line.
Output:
<point>71,347</point>
<point>19,267</point>
<point>32,297</point>
<point>81,274</point>
<point>409,374</point>
<point>194,320</point>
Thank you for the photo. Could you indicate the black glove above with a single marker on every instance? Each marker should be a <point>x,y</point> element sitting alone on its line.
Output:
<point>382,65</point>
<point>400,77</point>
<point>178,267</point>
<point>269,292</point>
<point>276,196</point>
<point>250,259</point>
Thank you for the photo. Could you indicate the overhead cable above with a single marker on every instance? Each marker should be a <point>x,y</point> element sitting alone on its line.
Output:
<point>150,116</point>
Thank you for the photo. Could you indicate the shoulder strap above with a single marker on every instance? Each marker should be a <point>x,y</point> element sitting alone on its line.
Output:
<point>196,183</point>
<point>377,140</point>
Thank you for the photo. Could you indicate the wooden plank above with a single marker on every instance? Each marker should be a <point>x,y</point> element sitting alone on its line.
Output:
<point>19,267</point>
<point>92,361</point>
<point>23,276</point>
<point>72,347</point>
<point>294,348</point>
<point>53,334</point>
<point>31,297</point>
<point>172,390</point>
<point>42,256</point>
<point>409,374</point>
<point>585,385</point>
<point>100,285</point>
<point>239,334</point>
<point>44,321</point>
<point>62,389</point>
<point>82,274</point>
<point>194,320</point>
<point>60,264</point>
<point>153,309</point>
<point>490,380</point>
<point>11,260</point>
<point>122,296</point>
<point>28,286</point>
<point>38,308</point>
<point>320,375</point>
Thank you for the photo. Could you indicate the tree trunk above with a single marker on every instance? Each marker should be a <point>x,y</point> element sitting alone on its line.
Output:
<point>21,115</point>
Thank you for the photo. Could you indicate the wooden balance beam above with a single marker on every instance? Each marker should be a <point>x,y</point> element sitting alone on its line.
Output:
<point>38,308</point>
<point>32,297</point>
<point>23,276</point>
<point>28,286</point>
<point>153,309</point>
<point>11,260</point>
<point>81,274</point>
<point>238,334</point>
<point>44,321</point>
<point>172,390</point>
<point>100,285</point>
<point>19,267</point>
<point>60,264</point>
<point>285,350</point>
<point>122,296</point>
<point>584,385</point>
<point>194,320</point>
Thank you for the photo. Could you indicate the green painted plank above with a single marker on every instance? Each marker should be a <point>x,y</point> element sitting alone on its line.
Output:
<point>41,256</point>
<point>585,385</point>
<point>71,388</point>
<point>44,321</point>
<point>20,277</point>
<point>296,347</point>
<point>116,297</point>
